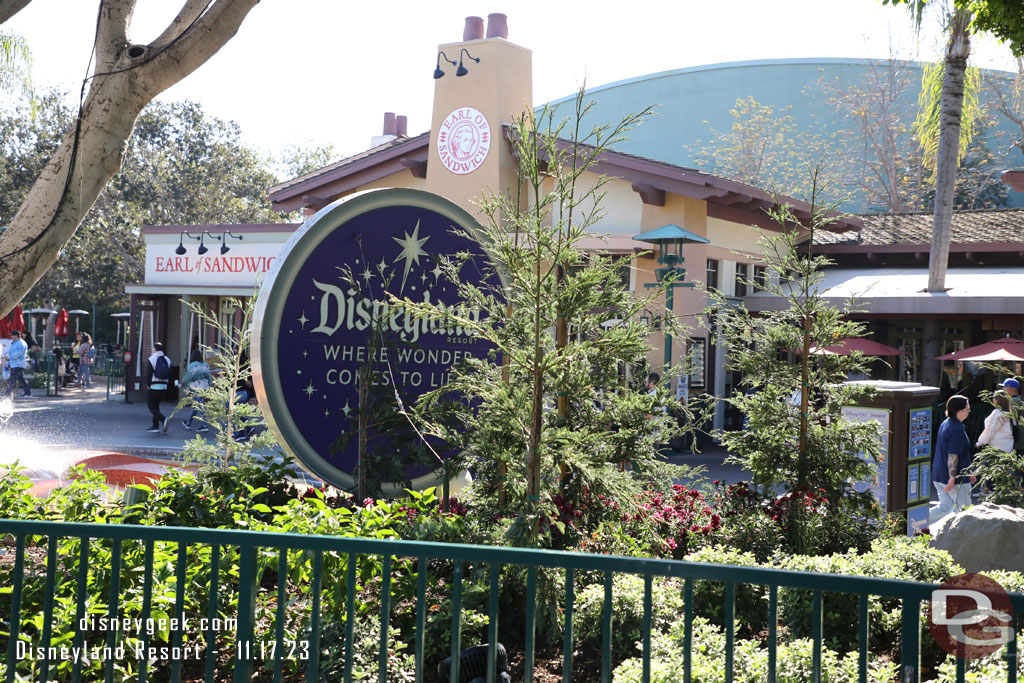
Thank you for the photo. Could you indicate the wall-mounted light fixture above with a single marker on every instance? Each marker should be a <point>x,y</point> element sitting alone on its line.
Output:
<point>462,71</point>
<point>437,70</point>
<point>223,236</point>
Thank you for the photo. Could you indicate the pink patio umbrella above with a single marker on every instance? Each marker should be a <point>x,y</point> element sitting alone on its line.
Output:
<point>1007,348</point>
<point>844,347</point>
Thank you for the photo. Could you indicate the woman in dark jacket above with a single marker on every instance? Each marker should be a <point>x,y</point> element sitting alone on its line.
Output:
<point>952,458</point>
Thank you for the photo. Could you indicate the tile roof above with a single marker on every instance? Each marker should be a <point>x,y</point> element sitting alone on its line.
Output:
<point>969,227</point>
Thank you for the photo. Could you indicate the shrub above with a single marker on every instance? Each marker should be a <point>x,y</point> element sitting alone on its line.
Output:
<point>750,662</point>
<point>751,613</point>
<point>627,612</point>
<point>889,558</point>
<point>15,500</point>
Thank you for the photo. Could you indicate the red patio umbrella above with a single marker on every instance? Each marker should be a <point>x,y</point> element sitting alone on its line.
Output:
<point>61,327</point>
<point>5,327</point>
<point>844,347</point>
<point>1007,348</point>
<point>18,320</point>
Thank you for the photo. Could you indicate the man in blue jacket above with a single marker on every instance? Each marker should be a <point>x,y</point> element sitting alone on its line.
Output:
<point>16,361</point>
<point>952,459</point>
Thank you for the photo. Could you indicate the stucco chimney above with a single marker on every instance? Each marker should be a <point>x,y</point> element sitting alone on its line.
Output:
<point>402,126</point>
<point>497,25</point>
<point>390,130</point>
<point>474,29</point>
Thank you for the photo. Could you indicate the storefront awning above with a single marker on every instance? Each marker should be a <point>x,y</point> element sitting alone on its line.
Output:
<point>903,291</point>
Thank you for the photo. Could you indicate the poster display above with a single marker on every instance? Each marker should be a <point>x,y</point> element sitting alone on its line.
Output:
<point>917,519</point>
<point>920,433</point>
<point>913,483</point>
<point>926,480</point>
<point>877,484</point>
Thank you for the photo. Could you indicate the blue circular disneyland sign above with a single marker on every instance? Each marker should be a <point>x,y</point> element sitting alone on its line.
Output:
<point>325,319</point>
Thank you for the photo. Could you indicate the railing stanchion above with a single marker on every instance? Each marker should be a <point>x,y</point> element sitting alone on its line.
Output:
<point>910,655</point>
<point>279,615</point>
<point>81,590</point>
<point>147,608</point>
<point>606,630</point>
<point>51,582</point>
<point>567,645</point>
<point>773,632</point>
<point>385,613</point>
<point>646,631</point>
<point>492,623</point>
<point>863,635</point>
<point>456,642</point>
<point>421,615</point>
<point>179,607</point>
<point>313,673</point>
<point>816,636</point>
<point>112,611</point>
<point>687,630</point>
<point>244,645</point>
<point>211,614</point>
<point>531,622</point>
<point>350,615</point>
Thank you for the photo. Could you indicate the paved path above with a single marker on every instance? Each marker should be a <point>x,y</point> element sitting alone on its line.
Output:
<point>38,428</point>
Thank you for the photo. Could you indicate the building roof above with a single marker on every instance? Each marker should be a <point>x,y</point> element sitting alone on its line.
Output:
<point>727,199</point>
<point>994,229</point>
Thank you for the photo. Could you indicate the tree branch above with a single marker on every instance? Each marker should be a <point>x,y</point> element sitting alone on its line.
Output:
<point>189,13</point>
<point>112,32</point>
<point>8,8</point>
<point>197,44</point>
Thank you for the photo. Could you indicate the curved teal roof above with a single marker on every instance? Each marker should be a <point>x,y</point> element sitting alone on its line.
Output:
<point>694,100</point>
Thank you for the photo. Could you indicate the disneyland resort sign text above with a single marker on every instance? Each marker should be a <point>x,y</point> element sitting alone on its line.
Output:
<point>344,309</point>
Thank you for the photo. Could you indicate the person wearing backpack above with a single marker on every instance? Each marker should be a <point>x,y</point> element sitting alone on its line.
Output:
<point>1012,388</point>
<point>197,377</point>
<point>158,377</point>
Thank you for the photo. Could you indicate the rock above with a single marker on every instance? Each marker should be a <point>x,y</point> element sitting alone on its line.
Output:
<point>983,537</point>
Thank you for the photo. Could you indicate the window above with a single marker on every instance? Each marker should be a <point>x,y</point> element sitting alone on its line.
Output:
<point>760,278</point>
<point>697,350</point>
<point>712,277</point>
<point>741,279</point>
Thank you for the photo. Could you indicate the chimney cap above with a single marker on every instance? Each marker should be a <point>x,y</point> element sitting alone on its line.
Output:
<point>497,25</point>
<point>473,29</point>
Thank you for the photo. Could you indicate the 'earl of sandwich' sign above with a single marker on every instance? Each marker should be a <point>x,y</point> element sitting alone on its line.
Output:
<point>325,297</point>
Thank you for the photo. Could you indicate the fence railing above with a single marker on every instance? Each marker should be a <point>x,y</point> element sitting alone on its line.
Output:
<point>115,370</point>
<point>235,592</point>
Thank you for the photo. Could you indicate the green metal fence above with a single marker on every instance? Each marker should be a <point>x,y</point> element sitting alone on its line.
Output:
<point>245,580</point>
<point>115,370</point>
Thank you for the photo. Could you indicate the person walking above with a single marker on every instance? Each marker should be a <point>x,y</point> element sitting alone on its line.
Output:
<point>1012,388</point>
<point>952,459</point>
<point>75,361</point>
<point>158,375</point>
<point>85,360</point>
<point>17,360</point>
<point>998,433</point>
<point>197,377</point>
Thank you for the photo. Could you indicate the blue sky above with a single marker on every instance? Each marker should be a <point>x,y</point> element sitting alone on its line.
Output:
<point>314,72</point>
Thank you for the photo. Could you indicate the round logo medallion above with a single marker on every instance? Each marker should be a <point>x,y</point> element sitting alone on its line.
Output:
<point>464,140</point>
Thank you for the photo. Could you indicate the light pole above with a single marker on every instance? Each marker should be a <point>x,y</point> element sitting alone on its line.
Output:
<point>669,240</point>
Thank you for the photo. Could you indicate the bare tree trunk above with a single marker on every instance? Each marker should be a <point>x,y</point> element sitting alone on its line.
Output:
<point>957,51</point>
<point>126,78</point>
<point>8,8</point>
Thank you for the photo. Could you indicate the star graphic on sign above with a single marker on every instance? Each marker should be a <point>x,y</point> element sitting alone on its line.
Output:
<point>309,390</point>
<point>412,249</point>
<point>436,272</point>
<point>303,320</point>
<point>367,274</point>
<point>305,354</point>
<point>346,409</point>
<point>382,266</point>
<point>326,412</point>
<point>423,276</point>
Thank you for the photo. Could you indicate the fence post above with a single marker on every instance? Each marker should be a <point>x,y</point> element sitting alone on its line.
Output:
<point>246,613</point>
<point>910,656</point>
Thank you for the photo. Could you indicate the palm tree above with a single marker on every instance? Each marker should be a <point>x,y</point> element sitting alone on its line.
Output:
<point>958,48</point>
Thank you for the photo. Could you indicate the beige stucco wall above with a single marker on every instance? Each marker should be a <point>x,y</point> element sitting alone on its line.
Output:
<point>500,86</point>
